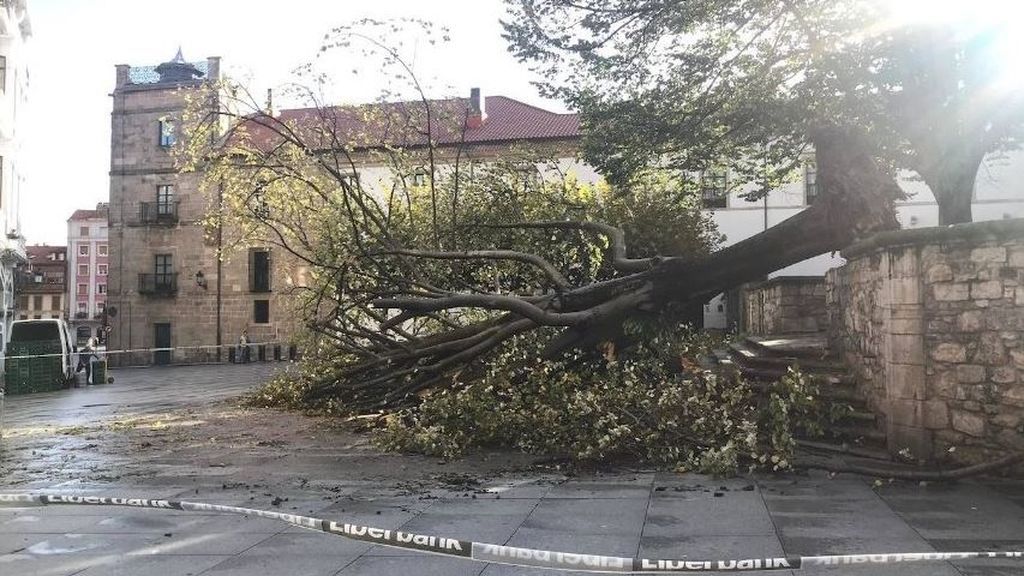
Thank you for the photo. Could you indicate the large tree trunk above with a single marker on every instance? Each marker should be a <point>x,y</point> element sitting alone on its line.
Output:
<point>954,194</point>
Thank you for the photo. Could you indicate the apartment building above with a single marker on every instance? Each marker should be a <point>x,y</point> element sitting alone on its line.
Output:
<point>15,31</point>
<point>40,283</point>
<point>88,270</point>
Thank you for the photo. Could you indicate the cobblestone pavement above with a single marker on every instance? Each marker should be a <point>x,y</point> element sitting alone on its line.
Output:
<point>174,433</point>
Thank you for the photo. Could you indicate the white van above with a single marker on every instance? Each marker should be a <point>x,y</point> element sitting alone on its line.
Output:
<point>52,330</point>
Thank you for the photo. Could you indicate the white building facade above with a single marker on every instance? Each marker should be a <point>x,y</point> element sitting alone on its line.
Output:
<point>15,31</point>
<point>998,194</point>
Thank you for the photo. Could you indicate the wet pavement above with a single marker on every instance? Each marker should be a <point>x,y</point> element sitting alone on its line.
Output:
<point>174,433</point>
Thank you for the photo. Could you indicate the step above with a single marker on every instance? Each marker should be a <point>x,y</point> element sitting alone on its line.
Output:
<point>749,355</point>
<point>845,448</point>
<point>804,346</point>
<point>861,435</point>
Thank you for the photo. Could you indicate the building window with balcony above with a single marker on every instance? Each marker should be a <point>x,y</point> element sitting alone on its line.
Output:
<point>37,302</point>
<point>23,302</point>
<point>714,188</point>
<point>101,288</point>
<point>164,210</point>
<point>166,129</point>
<point>101,269</point>
<point>83,289</point>
<point>101,307</point>
<point>261,311</point>
<point>163,280</point>
<point>83,308</point>
<point>164,199</point>
<point>259,270</point>
<point>810,182</point>
<point>83,249</point>
<point>83,269</point>
<point>56,302</point>
<point>102,249</point>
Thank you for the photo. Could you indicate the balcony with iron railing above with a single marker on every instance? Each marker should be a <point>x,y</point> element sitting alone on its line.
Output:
<point>159,213</point>
<point>165,284</point>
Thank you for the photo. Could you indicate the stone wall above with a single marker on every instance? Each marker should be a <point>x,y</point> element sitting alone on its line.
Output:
<point>785,305</point>
<point>932,322</point>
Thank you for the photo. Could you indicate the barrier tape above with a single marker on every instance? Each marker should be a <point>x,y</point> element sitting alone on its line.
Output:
<point>103,353</point>
<point>511,555</point>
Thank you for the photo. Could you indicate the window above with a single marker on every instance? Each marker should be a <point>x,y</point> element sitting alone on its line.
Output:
<point>83,230</point>
<point>83,249</point>
<point>83,289</point>
<point>3,74</point>
<point>83,307</point>
<point>101,269</point>
<point>259,270</point>
<point>101,307</point>
<point>810,182</point>
<point>166,127</point>
<point>261,311</point>
<point>101,288</point>
<point>102,249</point>
<point>163,269</point>
<point>37,302</point>
<point>164,200</point>
<point>260,208</point>
<point>23,317</point>
<point>37,317</point>
<point>23,302</point>
<point>419,177</point>
<point>83,269</point>
<point>714,188</point>
<point>56,302</point>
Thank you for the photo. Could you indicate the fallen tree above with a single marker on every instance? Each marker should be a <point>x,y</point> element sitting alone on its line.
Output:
<point>415,283</point>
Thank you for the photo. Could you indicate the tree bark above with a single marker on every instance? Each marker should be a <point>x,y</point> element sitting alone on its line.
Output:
<point>954,194</point>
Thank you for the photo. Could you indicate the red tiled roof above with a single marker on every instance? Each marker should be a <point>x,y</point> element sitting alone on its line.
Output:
<point>88,215</point>
<point>41,251</point>
<point>402,123</point>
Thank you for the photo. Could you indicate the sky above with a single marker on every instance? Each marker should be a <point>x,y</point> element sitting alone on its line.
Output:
<point>76,43</point>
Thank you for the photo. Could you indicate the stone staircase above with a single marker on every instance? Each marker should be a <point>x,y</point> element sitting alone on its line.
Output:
<point>767,358</point>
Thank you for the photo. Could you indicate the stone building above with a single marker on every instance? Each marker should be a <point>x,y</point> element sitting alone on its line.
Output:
<point>88,270</point>
<point>40,283</point>
<point>15,30</point>
<point>168,288</point>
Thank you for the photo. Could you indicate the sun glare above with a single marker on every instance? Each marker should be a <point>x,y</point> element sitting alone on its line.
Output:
<point>997,23</point>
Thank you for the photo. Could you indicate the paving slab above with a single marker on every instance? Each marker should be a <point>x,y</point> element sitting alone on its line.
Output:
<point>279,565</point>
<point>191,446</point>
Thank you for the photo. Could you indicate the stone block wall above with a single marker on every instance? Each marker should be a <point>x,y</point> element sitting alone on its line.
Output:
<point>932,322</point>
<point>785,305</point>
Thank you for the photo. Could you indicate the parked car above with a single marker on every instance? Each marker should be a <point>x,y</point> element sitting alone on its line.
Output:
<point>52,355</point>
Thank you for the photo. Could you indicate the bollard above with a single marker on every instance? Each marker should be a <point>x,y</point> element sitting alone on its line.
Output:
<point>231,355</point>
<point>291,352</point>
<point>277,352</point>
<point>261,352</point>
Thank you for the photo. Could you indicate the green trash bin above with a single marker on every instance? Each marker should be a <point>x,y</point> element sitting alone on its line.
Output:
<point>99,371</point>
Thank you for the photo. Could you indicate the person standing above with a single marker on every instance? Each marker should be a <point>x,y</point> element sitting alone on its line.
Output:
<point>243,347</point>
<point>87,356</point>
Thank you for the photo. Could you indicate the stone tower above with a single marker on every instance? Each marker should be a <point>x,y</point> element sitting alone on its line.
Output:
<point>161,269</point>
